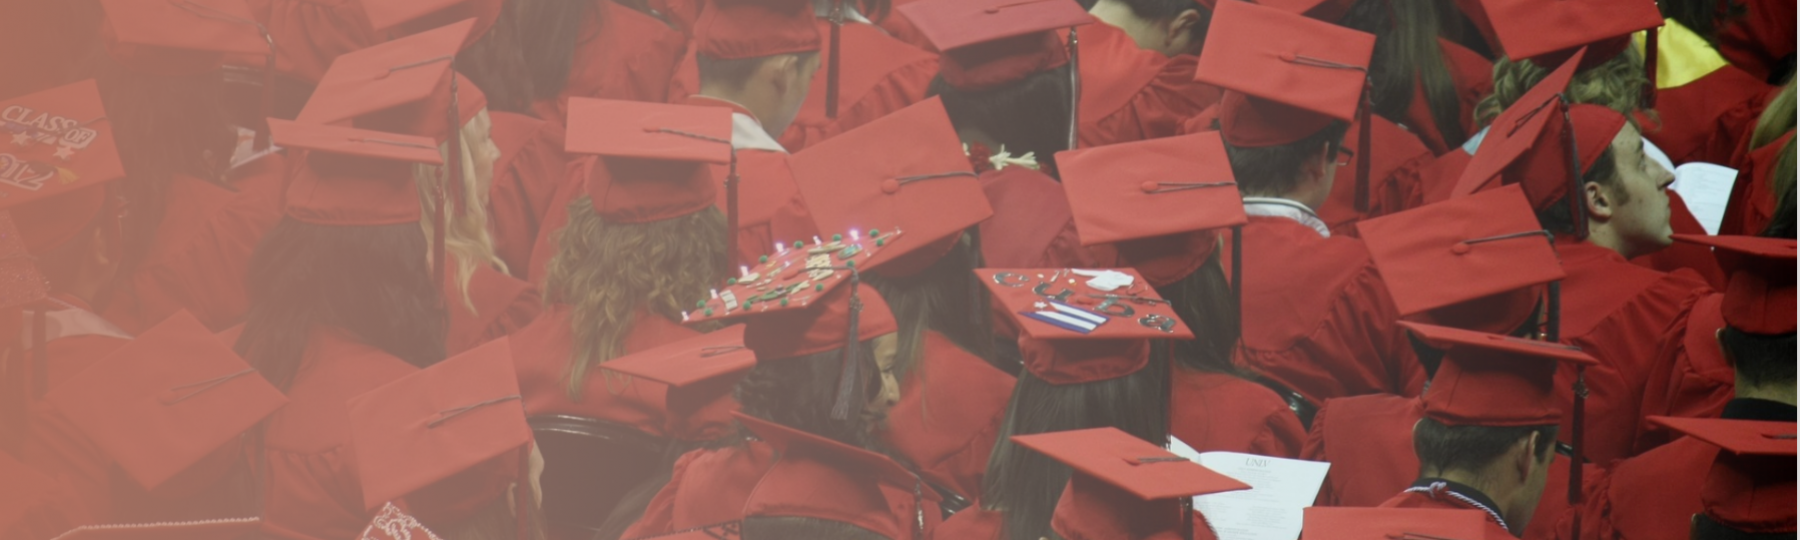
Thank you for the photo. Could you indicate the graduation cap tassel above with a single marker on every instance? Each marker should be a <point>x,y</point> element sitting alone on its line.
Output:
<point>1577,208</point>
<point>833,60</point>
<point>440,214</point>
<point>1074,89</point>
<point>1650,55</point>
<point>1362,147</point>
<point>848,378</point>
<point>40,353</point>
<point>1237,277</point>
<point>731,213</point>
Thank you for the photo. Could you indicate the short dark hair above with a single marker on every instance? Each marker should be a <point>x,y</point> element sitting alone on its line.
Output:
<point>735,72</point>
<point>1470,448</point>
<point>1164,10</point>
<point>1605,171</point>
<point>1761,359</point>
<point>778,528</point>
<point>1031,115</point>
<point>1273,170</point>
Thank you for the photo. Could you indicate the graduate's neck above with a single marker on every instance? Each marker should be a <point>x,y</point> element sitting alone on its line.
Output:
<point>1778,392</point>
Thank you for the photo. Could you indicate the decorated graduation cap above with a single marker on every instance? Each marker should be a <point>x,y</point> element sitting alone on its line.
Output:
<point>1750,488</point>
<point>353,176</point>
<point>1123,487</point>
<point>823,479</point>
<point>905,171</point>
<point>177,37</point>
<point>1759,292</point>
<point>1079,326</point>
<point>700,373</point>
<point>1288,77</point>
<point>60,155</point>
<point>1548,32</point>
<point>1544,144</point>
<point>653,157</point>
<point>392,523</point>
<point>212,529</point>
<point>1173,186</point>
<point>991,43</point>
<point>1494,380</point>
<point>808,299</point>
<point>166,399</point>
<point>1476,262</point>
<point>740,29</point>
<point>1344,523</point>
<point>448,439</point>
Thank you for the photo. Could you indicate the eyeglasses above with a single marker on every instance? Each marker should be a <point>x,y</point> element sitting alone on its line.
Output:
<point>1344,155</point>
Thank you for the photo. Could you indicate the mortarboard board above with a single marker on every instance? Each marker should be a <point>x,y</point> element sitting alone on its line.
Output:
<point>1140,190</point>
<point>353,176</point>
<point>1073,329</point>
<point>820,478</point>
<point>408,17</point>
<point>739,29</point>
<point>904,171</point>
<point>178,37</point>
<point>402,86</point>
<point>700,372</point>
<point>61,153</point>
<point>1750,487</point>
<point>1331,11</point>
<point>653,156</point>
<point>1474,262</point>
<point>212,529</point>
<point>1123,486</point>
<point>989,43</point>
<point>449,439</point>
<point>1532,141</point>
<point>1548,31</point>
<point>1759,289</point>
<point>166,399</point>
<point>392,523</point>
<point>1494,380</point>
<point>1342,523</point>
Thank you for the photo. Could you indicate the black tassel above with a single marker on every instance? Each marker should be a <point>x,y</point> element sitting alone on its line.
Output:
<point>847,381</point>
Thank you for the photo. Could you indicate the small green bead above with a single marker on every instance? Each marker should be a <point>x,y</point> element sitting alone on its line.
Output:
<point>819,288</point>
<point>763,259</point>
<point>874,233</point>
<point>799,244</point>
<point>784,302</point>
<point>731,281</point>
<point>880,242</point>
<point>709,312</point>
<point>837,238</point>
<point>851,264</point>
<point>700,304</point>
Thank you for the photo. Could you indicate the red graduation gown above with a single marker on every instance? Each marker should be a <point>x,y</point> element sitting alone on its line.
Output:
<point>1615,311</point>
<point>1318,320</point>
<point>140,302</point>
<point>541,353</point>
<point>949,416</point>
<point>1394,181</point>
<point>1494,531</point>
<point>1760,41</point>
<point>1700,380</point>
<point>34,504</point>
<point>622,53</point>
<point>312,490</point>
<point>1368,440</point>
<point>765,186</point>
<point>878,75</point>
<point>1213,411</point>
<point>1710,118</point>
<point>1471,75</point>
<point>1131,94</point>
<point>532,166</point>
<point>502,304</point>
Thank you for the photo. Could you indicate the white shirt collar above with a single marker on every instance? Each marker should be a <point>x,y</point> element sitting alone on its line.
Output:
<point>1284,208</point>
<point>748,134</point>
<point>822,9</point>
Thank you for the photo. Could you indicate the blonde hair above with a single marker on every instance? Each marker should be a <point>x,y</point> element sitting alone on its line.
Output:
<point>1777,118</point>
<point>607,271</point>
<point>466,236</point>
<point>1616,84</point>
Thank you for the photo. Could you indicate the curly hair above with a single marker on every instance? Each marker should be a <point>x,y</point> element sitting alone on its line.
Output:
<point>1616,84</point>
<point>607,271</point>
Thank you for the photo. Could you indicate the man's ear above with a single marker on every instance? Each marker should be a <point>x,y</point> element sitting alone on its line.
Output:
<point>1527,460</point>
<point>1181,26</point>
<point>1599,200</point>
<point>1313,170</point>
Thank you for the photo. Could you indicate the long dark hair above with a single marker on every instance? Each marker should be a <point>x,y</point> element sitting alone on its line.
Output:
<point>1031,115</point>
<point>499,65</point>
<point>373,282</point>
<point>945,298</point>
<point>1024,484</point>
<point>1204,302</point>
<point>784,528</point>
<point>555,31</point>
<point>1407,52</point>
<point>799,393</point>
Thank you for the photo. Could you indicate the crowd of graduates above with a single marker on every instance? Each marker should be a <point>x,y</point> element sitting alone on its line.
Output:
<point>894,269</point>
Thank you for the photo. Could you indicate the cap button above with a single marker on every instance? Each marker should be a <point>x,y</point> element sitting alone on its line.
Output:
<point>890,186</point>
<point>1148,186</point>
<point>1460,248</point>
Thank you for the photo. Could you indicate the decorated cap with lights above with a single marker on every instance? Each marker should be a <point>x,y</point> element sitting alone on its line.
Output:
<point>1548,32</point>
<point>1494,380</point>
<point>1343,523</point>
<point>1287,78</point>
<point>179,37</point>
<point>905,171</point>
<point>1531,142</point>
<point>991,43</point>
<point>60,156</point>
<point>700,373</point>
<point>1475,262</point>
<point>166,399</point>
<point>739,29</point>
<point>211,529</point>
<point>1759,292</point>
<point>653,157</point>
<point>353,176</point>
<point>1123,486</point>
<point>1750,488</point>
<point>402,86</point>
<point>449,439</point>
<point>823,479</point>
<point>1181,186</point>
<point>1080,325</point>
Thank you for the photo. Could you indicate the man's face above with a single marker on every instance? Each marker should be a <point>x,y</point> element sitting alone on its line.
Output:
<point>1640,196</point>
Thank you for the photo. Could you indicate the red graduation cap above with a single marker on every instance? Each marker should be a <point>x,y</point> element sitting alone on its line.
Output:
<point>1330,11</point>
<point>60,154</point>
<point>990,43</point>
<point>738,29</point>
<point>1073,329</point>
<point>392,523</point>
<point>1759,294</point>
<point>654,157</point>
<point>178,37</point>
<point>1178,188</point>
<point>906,172</point>
<point>1750,487</point>
<point>1343,523</point>
<point>353,176</point>
<point>211,529</point>
<point>166,399</point>
<point>1123,486</point>
<point>1548,31</point>
<point>700,372</point>
<point>407,17</point>
<point>449,439</point>
<point>1531,143</point>
<point>1494,380</point>
<point>820,478</point>
<point>1475,262</point>
<point>402,86</point>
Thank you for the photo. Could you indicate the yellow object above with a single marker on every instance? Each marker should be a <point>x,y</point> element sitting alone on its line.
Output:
<point>1682,56</point>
